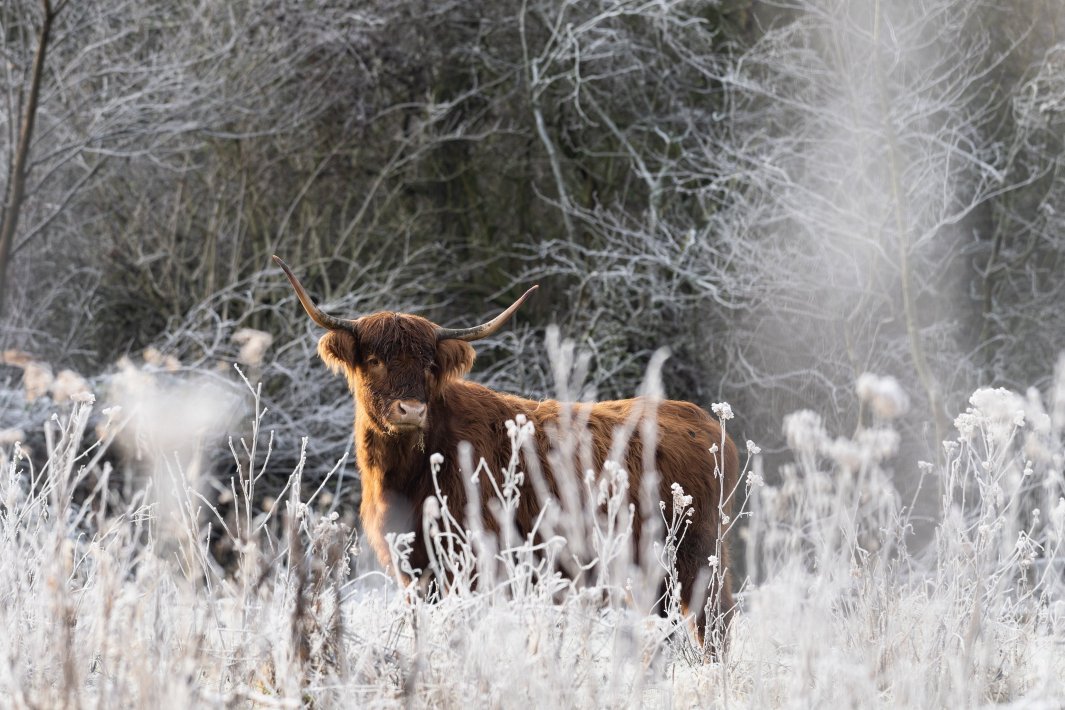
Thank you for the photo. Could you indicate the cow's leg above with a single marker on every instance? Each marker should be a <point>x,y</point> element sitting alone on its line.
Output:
<point>707,594</point>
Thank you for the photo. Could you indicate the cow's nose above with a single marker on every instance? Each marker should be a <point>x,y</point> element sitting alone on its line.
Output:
<point>408,412</point>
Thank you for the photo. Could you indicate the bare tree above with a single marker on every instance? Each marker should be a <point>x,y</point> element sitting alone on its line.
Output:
<point>786,194</point>
<point>26,107</point>
<point>791,214</point>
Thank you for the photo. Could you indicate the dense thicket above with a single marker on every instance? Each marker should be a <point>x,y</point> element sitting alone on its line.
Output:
<point>785,194</point>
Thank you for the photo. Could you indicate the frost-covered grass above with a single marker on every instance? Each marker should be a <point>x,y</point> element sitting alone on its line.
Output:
<point>112,602</point>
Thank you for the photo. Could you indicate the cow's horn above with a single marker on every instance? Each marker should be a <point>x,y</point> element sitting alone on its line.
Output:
<point>485,329</point>
<point>317,314</point>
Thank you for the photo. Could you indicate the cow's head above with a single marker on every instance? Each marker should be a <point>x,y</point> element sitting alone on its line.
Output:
<point>395,363</point>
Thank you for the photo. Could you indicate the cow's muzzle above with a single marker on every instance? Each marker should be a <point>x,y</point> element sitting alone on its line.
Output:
<point>407,414</point>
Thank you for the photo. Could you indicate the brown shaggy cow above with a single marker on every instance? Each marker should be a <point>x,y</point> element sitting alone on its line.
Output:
<point>411,400</point>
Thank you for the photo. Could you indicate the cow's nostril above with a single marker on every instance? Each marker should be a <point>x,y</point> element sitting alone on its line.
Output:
<point>411,408</point>
<point>409,412</point>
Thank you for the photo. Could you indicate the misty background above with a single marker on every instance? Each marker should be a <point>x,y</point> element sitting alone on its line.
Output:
<point>785,194</point>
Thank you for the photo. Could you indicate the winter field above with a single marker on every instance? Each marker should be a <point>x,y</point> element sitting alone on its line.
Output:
<point>838,225</point>
<point>112,601</point>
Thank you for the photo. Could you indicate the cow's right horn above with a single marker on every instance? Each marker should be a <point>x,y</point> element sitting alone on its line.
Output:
<point>317,314</point>
<point>485,329</point>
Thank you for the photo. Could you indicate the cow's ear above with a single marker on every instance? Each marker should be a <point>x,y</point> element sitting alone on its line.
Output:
<point>454,358</point>
<point>338,349</point>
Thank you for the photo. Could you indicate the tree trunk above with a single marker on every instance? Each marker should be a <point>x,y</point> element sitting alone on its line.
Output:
<point>17,186</point>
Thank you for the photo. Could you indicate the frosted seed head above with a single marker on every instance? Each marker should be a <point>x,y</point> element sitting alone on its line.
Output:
<point>804,430</point>
<point>70,386</point>
<point>848,454</point>
<point>884,395</point>
<point>679,499</point>
<point>879,443</point>
<point>36,380</point>
<point>966,424</point>
<point>253,346</point>
<point>997,411</point>
<point>604,492</point>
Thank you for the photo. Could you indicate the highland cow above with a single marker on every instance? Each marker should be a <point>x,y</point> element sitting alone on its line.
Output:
<point>411,400</point>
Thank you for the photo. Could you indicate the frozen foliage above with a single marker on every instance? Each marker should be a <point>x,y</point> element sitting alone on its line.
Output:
<point>788,194</point>
<point>115,602</point>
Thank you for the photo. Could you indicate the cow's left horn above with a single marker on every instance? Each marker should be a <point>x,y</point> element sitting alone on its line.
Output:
<point>317,314</point>
<point>485,329</point>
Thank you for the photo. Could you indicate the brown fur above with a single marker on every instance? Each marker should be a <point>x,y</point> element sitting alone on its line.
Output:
<point>389,357</point>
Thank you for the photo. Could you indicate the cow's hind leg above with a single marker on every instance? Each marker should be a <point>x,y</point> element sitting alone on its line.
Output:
<point>708,593</point>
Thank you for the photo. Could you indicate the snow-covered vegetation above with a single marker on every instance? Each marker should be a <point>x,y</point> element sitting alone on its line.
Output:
<point>844,218</point>
<point>117,600</point>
